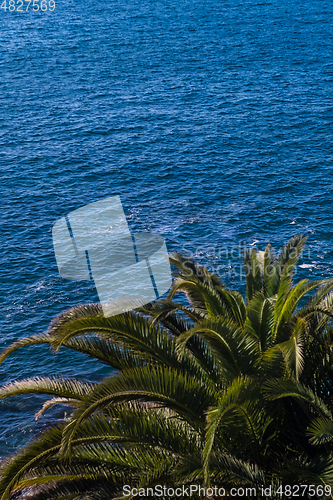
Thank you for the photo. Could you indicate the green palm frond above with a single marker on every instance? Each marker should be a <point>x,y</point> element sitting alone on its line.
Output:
<point>228,471</point>
<point>72,389</point>
<point>291,252</point>
<point>130,331</point>
<point>317,471</point>
<point>271,275</point>
<point>286,263</point>
<point>39,339</point>
<point>13,470</point>
<point>162,309</point>
<point>239,410</point>
<point>260,321</point>
<point>279,389</point>
<point>285,310</point>
<point>140,425</point>
<point>253,273</point>
<point>204,299</point>
<point>70,488</point>
<point>55,401</point>
<point>321,431</point>
<point>235,305</point>
<point>169,388</point>
<point>293,349</point>
<point>321,295</point>
<point>235,352</point>
<point>187,266</point>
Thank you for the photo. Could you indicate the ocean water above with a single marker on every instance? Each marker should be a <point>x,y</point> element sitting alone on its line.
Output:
<point>211,119</point>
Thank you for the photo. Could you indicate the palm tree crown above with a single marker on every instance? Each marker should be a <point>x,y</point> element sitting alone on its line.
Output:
<point>212,389</point>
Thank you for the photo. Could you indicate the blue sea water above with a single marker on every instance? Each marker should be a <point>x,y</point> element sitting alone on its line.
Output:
<point>212,120</point>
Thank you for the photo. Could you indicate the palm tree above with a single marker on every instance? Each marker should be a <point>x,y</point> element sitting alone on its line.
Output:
<point>211,389</point>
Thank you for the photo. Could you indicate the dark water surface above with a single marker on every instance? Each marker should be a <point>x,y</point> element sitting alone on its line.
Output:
<point>212,119</point>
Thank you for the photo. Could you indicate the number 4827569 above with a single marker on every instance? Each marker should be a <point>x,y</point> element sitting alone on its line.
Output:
<point>23,6</point>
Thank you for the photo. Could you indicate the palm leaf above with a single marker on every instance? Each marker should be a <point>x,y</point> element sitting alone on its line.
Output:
<point>290,388</point>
